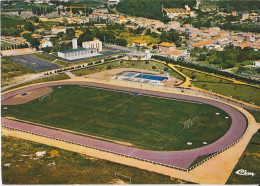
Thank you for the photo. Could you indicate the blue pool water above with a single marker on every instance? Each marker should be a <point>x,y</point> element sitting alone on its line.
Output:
<point>129,74</point>
<point>151,77</point>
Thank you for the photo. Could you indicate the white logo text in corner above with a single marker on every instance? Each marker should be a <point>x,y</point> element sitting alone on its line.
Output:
<point>245,173</point>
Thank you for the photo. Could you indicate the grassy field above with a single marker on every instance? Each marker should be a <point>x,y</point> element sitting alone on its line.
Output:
<point>147,122</point>
<point>256,114</point>
<point>147,65</point>
<point>8,22</point>
<point>224,87</point>
<point>69,168</point>
<point>249,161</point>
<point>10,70</point>
<point>50,78</point>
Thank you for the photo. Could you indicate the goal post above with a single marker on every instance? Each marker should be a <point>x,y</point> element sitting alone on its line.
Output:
<point>116,174</point>
<point>44,97</point>
<point>189,123</point>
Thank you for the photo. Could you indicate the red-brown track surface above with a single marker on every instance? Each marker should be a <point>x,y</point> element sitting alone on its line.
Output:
<point>177,159</point>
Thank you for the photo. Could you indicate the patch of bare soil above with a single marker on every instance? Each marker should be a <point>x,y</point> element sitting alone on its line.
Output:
<point>27,96</point>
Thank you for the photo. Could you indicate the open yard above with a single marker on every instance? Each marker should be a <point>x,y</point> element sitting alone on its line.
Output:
<point>224,87</point>
<point>146,122</point>
<point>147,65</point>
<point>64,167</point>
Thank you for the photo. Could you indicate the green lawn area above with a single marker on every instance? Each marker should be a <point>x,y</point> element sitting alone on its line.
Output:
<point>249,161</point>
<point>69,168</point>
<point>225,87</point>
<point>147,65</point>
<point>8,22</point>
<point>146,122</point>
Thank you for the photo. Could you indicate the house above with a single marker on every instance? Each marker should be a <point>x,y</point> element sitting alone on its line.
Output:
<point>24,32</point>
<point>78,33</point>
<point>174,54</point>
<point>121,20</point>
<point>45,43</point>
<point>100,25</point>
<point>173,25</point>
<point>36,35</point>
<point>234,13</point>
<point>165,46</point>
<point>113,2</point>
<point>257,63</point>
<point>177,12</point>
<point>95,44</point>
<point>58,29</point>
<point>19,26</point>
<point>201,44</point>
<point>139,43</point>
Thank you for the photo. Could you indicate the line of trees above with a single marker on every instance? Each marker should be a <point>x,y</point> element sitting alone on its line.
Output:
<point>36,10</point>
<point>15,46</point>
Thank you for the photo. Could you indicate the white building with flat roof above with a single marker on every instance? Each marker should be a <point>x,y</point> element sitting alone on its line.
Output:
<point>95,44</point>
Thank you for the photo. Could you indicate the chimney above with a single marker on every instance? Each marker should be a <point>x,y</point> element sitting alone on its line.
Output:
<point>75,43</point>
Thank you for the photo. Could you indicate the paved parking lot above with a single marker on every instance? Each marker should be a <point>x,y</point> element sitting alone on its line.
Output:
<point>34,63</point>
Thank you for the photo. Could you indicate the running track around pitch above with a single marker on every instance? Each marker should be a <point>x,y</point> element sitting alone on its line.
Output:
<point>179,159</point>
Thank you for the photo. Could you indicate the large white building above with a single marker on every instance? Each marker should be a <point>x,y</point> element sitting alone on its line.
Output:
<point>95,44</point>
<point>90,49</point>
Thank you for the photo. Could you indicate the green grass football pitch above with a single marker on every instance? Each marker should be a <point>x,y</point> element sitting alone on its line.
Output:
<point>146,122</point>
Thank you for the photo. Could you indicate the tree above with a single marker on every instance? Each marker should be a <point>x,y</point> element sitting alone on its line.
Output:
<point>121,42</point>
<point>29,26</point>
<point>148,32</point>
<point>202,57</point>
<point>86,36</point>
<point>70,33</point>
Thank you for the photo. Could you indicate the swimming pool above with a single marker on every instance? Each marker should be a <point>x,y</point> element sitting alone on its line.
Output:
<point>151,77</point>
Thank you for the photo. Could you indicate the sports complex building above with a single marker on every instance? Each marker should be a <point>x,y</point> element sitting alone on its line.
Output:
<point>89,49</point>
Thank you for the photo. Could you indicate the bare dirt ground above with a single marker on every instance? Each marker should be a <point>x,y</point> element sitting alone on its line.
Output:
<point>31,95</point>
<point>106,75</point>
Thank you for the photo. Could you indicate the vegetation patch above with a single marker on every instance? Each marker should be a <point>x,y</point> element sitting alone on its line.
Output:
<point>66,167</point>
<point>249,161</point>
<point>227,88</point>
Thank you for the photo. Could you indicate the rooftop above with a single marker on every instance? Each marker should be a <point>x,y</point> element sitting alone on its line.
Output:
<point>166,44</point>
<point>139,41</point>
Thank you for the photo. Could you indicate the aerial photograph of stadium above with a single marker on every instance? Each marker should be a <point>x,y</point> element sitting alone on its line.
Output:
<point>130,92</point>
